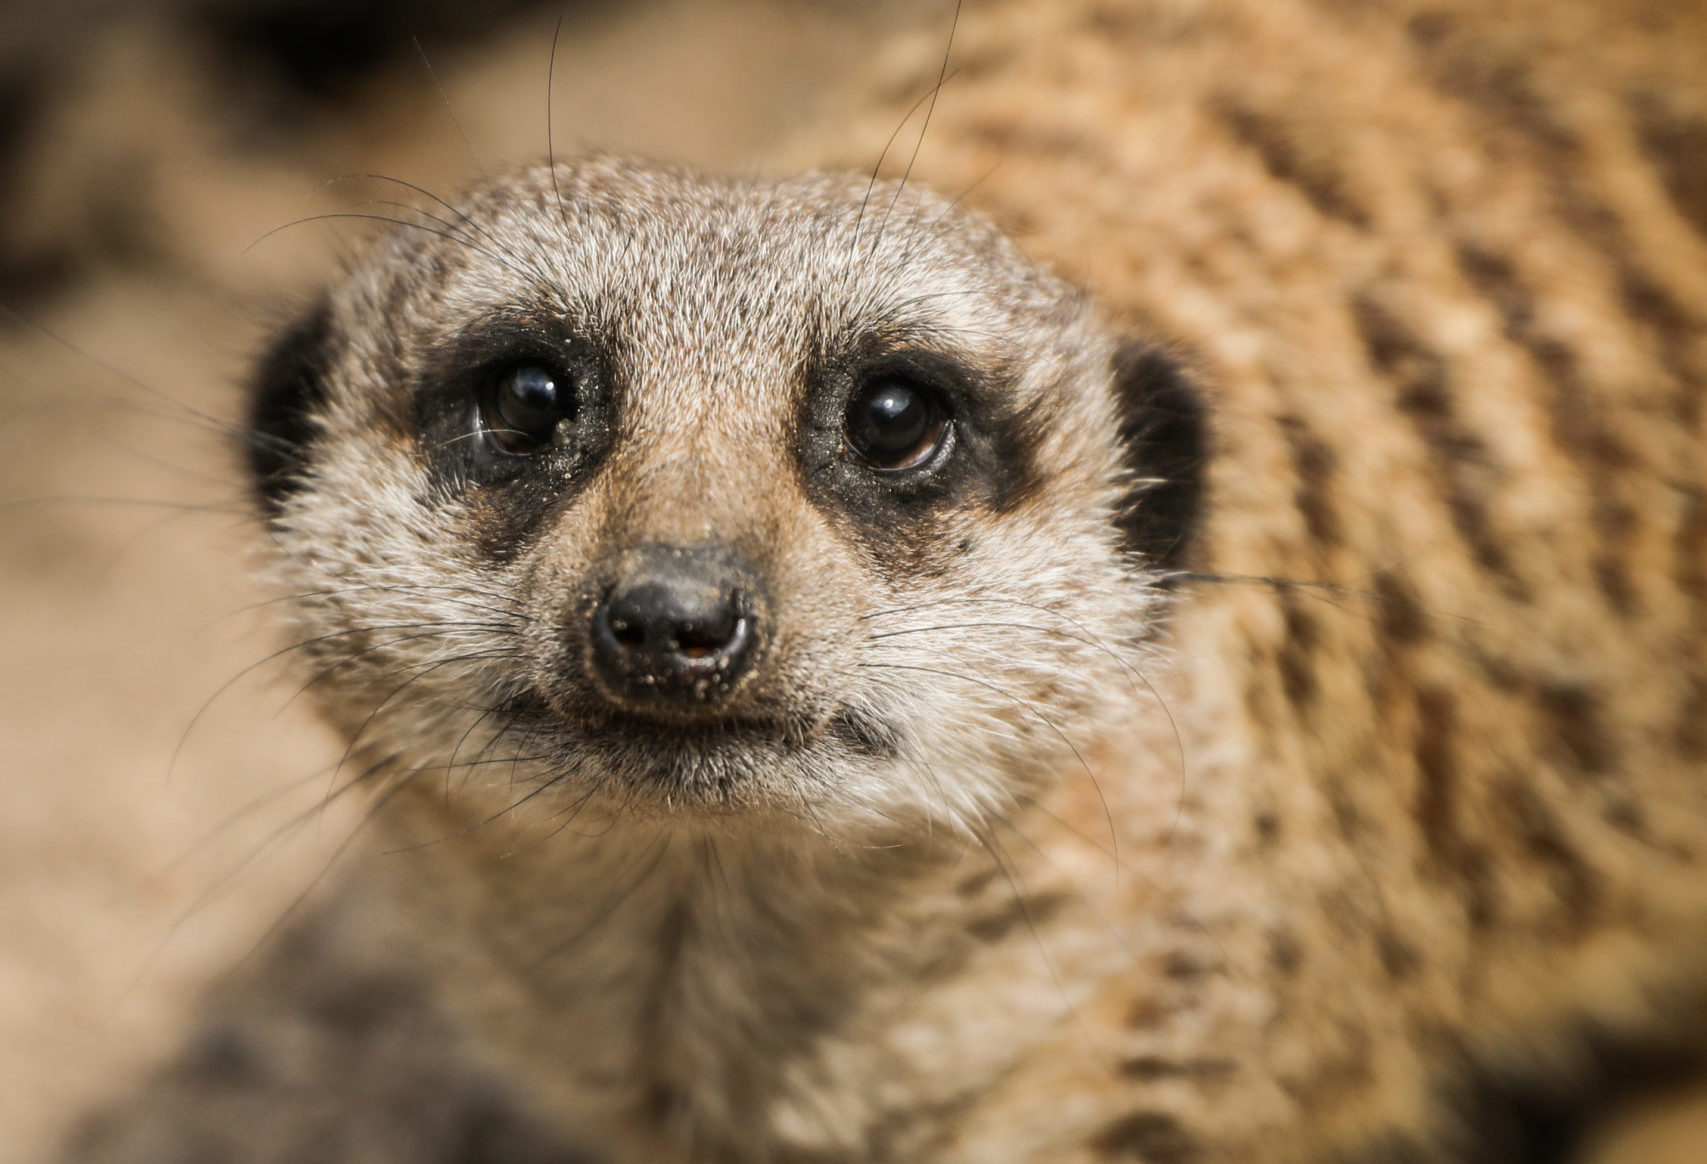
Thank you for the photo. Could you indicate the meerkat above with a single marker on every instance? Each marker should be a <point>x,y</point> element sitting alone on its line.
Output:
<point>1219,678</point>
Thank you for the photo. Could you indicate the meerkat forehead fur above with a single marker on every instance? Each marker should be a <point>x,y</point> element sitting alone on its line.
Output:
<point>629,486</point>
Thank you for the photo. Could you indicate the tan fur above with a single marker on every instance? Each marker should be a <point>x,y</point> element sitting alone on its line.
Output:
<point>1408,796</point>
<point>1446,271</point>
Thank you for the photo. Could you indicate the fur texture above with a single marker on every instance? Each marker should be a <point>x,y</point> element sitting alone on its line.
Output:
<point>1402,828</point>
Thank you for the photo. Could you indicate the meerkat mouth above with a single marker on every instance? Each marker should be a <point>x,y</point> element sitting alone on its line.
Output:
<point>683,755</point>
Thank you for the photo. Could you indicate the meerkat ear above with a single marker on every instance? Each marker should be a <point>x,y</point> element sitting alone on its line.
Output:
<point>1164,428</point>
<point>288,387</point>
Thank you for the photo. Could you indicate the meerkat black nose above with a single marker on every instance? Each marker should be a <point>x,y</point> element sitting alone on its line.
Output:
<point>678,628</point>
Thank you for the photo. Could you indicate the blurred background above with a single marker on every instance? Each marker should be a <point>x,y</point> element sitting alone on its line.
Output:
<point>163,167</point>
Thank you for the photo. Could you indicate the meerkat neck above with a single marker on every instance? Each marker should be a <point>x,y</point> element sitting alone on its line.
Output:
<point>691,973</point>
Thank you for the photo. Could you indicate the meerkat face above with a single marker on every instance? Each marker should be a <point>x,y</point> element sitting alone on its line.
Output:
<point>621,485</point>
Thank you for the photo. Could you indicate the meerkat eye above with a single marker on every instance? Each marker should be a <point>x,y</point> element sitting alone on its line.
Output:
<point>895,423</point>
<point>522,407</point>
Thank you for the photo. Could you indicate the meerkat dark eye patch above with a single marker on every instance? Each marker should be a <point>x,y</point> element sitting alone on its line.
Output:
<point>896,436</point>
<point>1164,428</point>
<point>510,400</point>
<point>513,418</point>
<point>288,387</point>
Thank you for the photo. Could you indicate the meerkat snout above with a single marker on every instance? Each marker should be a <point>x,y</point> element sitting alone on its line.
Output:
<point>678,628</point>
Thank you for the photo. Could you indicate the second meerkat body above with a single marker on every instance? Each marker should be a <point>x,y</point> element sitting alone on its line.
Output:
<point>756,607</point>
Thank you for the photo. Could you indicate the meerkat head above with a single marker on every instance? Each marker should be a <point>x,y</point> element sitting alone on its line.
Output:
<point>702,497</point>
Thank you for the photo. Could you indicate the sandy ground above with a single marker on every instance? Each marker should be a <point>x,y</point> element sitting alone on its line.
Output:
<point>159,801</point>
<point>160,788</point>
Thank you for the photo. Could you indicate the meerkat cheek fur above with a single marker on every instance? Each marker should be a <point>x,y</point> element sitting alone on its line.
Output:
<point>835,690</point>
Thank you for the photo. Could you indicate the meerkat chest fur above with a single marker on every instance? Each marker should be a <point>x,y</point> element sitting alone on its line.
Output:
<point>715,995</point>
